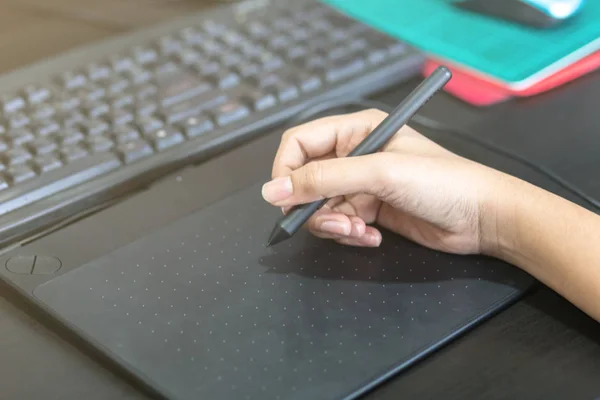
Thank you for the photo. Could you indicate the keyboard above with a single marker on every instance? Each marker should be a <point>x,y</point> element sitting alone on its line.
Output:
<point>93,123</point>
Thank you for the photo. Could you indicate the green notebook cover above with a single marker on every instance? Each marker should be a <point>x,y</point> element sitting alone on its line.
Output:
<point>501,50</point>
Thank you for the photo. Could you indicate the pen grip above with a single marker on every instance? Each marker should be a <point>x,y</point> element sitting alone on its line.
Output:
<point>300,214</point>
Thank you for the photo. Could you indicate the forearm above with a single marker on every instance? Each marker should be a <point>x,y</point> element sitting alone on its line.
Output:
<point>555,241</point>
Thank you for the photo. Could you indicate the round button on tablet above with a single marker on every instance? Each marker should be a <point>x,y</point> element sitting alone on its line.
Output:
<point>33,265</point>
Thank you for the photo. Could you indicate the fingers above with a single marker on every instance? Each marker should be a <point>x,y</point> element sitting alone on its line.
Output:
<point>331,178</point>
<point>336,135</point>
<point>344,229</point>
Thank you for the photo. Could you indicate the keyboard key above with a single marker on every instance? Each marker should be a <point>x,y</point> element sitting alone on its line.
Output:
<point>97,72</point>
<point>16,155</point>
<point>179,112</point>
<point>396,49</point>
<point>230,112</point>
<point>137,75</point>
<point>191,36</point>
<point>96,109</point>
<point>196,126</point>
<point>117,86</point>
<point>46,163</point>
<point>125,133</point>
<point>45,128</point>
<point>36,94</point>
<point>207,68</point>
<point>19,137</point>
<point>19,173</point>
<point>377,57</point>
<point>72,152</point>
<point>3,145</point>
<point>11,104</point>
<point>66,102</point>
<point>179,86</point>
<point>187,57</point>
<point>42,111</point>
<point>168,67</point>
<point>91,92</point>
<point>121,101</point>
<point>97,144</point>
<point>57,180</point>
<point>146,108</point>
<point>134,151</point>
<point>225,79</point>
<point>69,136</point>
<point>229,60</point>
<point>308,83</point>
<point>168,45</point>
<point>70,80</point>
<point>94,127</point>
<point>246,70</point>
<point>258,30</point>
<point>18,120</point>
<point>120,63</point>
<point>285,91</point>
<point>144,55</point>
<point>165,138</point>
<point>3,184</point>
<point>359,44</point>
<point>72,119</point>
<point>261,101</point>
<point>42,146</point>
<point>145,92</point>
<point>345,69</point>
<point>296,52</point>
<point>120,117</point>
<point>148,124</point>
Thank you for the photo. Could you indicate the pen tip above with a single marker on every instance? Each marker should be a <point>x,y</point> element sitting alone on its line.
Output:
<point>277,235</point>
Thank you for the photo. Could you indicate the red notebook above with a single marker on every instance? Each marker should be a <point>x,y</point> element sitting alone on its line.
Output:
<point>481,92</point>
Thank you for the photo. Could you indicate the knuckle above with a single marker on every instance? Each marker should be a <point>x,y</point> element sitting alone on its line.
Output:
<point>312,177</point>
<point>374,113</point>
<point>386,174</point>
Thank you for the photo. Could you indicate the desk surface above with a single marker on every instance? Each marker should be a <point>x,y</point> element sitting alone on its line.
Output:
<point>542,347</point>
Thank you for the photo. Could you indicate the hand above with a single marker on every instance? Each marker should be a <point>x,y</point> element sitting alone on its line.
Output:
<point>412,187</point>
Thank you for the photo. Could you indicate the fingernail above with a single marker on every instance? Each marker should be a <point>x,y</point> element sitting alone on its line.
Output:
<point>335,227</point>
<point>373,239</point>
<point>358,229</point>
<point>277,190</point>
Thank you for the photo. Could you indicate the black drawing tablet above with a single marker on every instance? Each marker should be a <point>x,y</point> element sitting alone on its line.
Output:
<point>203,310</point>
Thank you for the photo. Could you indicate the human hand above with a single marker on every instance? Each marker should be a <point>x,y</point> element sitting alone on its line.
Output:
<point>412,186</point>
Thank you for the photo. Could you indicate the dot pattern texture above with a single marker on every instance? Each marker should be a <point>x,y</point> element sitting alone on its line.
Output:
<point>203,310</point>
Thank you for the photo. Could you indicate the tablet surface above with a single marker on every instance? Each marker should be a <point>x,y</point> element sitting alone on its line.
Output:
<point>202,309</point>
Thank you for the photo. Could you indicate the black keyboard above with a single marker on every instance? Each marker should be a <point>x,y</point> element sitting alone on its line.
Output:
<point>81,127</point>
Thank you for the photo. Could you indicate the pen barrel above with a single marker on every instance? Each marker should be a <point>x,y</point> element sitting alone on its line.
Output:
<point>403,112</point>
<point>299,215</point>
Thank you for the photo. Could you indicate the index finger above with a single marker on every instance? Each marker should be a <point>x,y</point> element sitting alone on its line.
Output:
<point>318,138</point>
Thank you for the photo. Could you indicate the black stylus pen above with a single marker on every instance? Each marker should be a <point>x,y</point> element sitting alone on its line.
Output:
<point>289,224</point>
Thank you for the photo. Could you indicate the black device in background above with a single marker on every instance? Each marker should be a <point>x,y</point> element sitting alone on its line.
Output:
<point>107,119</point>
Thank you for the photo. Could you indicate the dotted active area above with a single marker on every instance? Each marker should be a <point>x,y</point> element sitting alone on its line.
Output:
<point>202,309</point>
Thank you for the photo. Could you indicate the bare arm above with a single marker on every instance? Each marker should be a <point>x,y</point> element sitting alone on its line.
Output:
<point>552,239</point>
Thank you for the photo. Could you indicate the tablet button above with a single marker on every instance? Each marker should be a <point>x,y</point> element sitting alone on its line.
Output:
<point>21,264</point>
<point>33,265</point>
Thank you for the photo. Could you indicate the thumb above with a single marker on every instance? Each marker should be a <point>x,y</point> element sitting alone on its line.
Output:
<point>330,178</point>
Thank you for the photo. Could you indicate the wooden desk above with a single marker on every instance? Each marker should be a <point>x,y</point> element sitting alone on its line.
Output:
<point>540,348</point>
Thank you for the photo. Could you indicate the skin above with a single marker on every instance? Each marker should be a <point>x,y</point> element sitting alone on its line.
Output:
<point>436,198</point>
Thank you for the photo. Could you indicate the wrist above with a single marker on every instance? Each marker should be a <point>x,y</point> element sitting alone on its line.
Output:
<point>499,214</point>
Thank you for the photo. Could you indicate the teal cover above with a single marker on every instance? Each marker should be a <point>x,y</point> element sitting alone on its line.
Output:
<point>500,49</point>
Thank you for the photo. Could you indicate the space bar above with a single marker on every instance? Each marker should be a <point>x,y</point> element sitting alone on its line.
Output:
<point>56,181</point>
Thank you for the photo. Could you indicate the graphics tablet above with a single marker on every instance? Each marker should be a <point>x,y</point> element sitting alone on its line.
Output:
<point>175,285</point>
